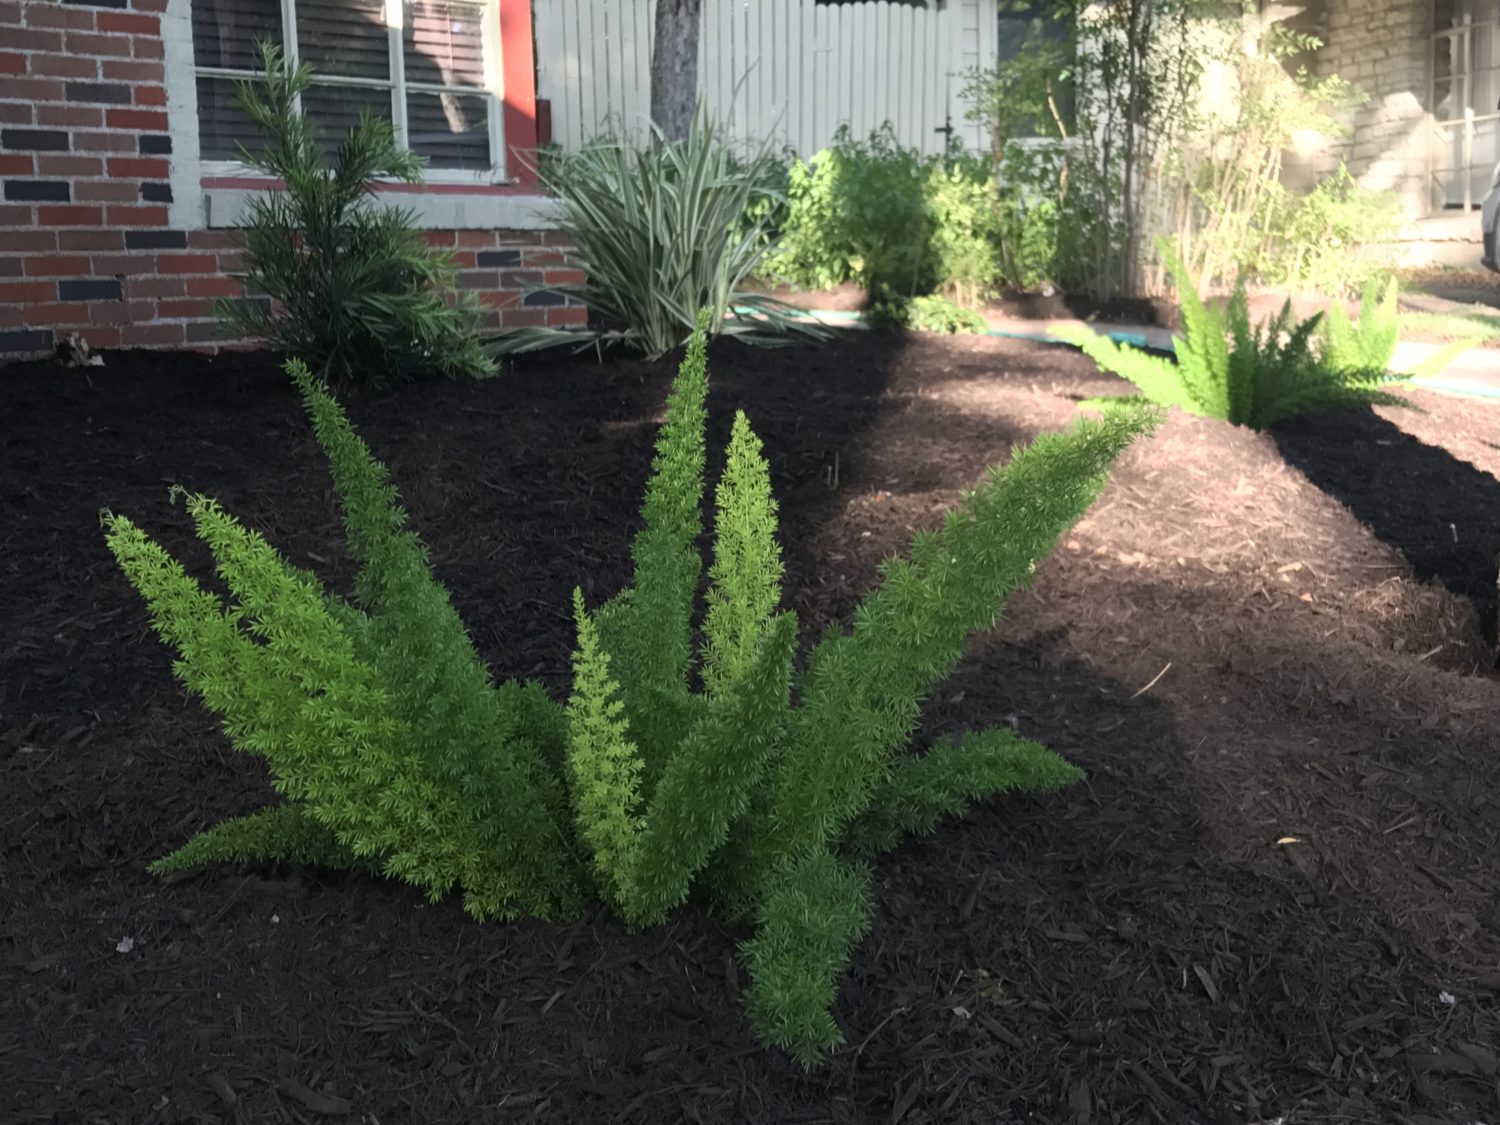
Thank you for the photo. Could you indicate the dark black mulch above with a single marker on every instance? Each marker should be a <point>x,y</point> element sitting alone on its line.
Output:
<point>1275,895</point>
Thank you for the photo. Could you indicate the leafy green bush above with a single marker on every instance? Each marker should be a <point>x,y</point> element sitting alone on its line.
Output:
<point>891,220</point>
<point>355,288</point>
<point>1328,240</point>
<point>392,748</point>
<point>660,232</point>
<point>933,313</point>
<point>1251,376</point>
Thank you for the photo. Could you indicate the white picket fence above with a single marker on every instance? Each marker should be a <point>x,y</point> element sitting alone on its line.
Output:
<point>791,71</point>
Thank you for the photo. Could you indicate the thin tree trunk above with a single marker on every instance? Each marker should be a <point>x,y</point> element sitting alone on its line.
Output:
<point>674,66</point>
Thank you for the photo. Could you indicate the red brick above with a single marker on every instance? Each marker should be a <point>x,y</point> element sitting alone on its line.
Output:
<point>130,70</point>
<point>66,216</point>
<point>12,63</point>
<point>566,315</point>
<point>15,113</point>
<point>138,216</point>
<point>148,48</point>
<point>101,337</point>
<point>14,215</point>
<point>516,317</point>
<point>12,317</point>
<point>33,89</point>
<point>149,5</point>
<point>153,286</point>
<point>474,239</point>
<point>130,23</point>
<point>91,240</point>
<point>104,142</point>
<point>153,335</point>
<point>191,309</point>
<point>116,46</point>
<point>153,120</point>
<point>138,168</point>
<point>187,263</point>
<point>211,240</point>
<point>230,262</point>
<point>105,191</point>
<point>57,312</point>
<point>501,299</point>
<point>150,95</point>
<point>33,39</point>
<point>27,241</point>
<point>564,277</point>
<point>543,258</point>
<point>16,164</point>
<point>10,13</point>
<point>122,265</point>
<point>56,266</point>
<point>28,291</point>
<point>64,66</point>
<point>439,238</point>
<point>109,312</point>
<point>214,287</point>
<point>55,164</point>
<point>87,116</point>
<point>63,17</point>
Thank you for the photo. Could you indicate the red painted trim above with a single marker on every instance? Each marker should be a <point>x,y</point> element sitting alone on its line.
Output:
<point>518,73</point>
<point>266,183</point>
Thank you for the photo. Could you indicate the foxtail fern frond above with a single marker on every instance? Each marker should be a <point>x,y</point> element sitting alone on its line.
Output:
<point>280,834</point>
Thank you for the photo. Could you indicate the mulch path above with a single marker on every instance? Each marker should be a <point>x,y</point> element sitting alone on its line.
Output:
<point>1276,896</point>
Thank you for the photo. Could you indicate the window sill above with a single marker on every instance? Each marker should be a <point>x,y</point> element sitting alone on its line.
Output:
<point>435,206</point>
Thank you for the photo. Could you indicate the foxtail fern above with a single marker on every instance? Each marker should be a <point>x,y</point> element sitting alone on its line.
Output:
<point>679,764</point>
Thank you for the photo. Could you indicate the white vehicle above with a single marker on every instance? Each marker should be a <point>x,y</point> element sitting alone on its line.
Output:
<point>1489,215</point>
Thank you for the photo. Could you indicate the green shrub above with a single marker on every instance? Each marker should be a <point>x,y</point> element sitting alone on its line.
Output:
<point>1327,240</point>
<point>933,313</point>
<point>354,289</point>
<point>1251,376</point>
<point>669,769</point>
<point>890,220</point>
<point>660,232</point>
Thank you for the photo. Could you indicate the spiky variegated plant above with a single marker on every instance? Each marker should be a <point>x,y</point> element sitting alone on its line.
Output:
<point>668,769</point>
<point>1254,375</point>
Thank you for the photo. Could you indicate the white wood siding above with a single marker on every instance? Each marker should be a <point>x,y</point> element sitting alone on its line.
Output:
<point>791,71</point>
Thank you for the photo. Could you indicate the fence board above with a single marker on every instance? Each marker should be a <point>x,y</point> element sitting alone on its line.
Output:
<point>787,71</point>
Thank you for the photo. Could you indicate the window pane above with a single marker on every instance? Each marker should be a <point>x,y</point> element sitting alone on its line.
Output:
<point>334,110</point>
<point>221,125</point>
<point>451,130</point>
<point>344,37</point>
<point>444,43</point>
<point>225,31</point>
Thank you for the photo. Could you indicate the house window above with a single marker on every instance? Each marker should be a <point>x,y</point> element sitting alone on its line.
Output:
<point>1464,99</point>
<point>430,67</point>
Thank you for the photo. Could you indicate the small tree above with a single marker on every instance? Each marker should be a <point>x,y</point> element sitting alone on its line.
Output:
<point>355,292</point>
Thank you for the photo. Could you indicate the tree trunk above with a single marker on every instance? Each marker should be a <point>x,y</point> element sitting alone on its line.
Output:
<point>674,66</point>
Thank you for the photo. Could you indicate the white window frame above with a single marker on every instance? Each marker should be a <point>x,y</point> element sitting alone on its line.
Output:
<point>395,15</point>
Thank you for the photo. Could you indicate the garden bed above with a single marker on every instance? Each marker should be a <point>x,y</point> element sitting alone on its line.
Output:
<point>1277,894</point>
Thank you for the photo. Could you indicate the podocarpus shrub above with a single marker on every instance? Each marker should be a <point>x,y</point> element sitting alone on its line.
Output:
<point>669,769</point>
<point>354,288</point>
<point>1254,375</point>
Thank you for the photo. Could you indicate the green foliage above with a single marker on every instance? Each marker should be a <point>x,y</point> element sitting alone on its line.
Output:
<point>660,232</point>
<point>1249,375</point>
<point>391,748</point>
<point>886,218</point>
<point>1328,240</point>
<point>353,288</point>
<point>933,313</point>
<point>381,728</point>
<point>1369,344</point>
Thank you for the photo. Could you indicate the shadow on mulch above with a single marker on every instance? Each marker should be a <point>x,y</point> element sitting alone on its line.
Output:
<point>1081,959</point>
<point>1441,513</point>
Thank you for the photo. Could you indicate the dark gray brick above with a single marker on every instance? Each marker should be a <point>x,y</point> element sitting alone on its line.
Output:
<point>89,289</point>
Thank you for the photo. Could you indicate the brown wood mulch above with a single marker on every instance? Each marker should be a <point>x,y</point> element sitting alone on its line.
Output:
<point>1276,897</point>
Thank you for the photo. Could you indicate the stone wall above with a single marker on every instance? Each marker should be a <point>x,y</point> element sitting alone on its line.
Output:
<point>1382,45</point>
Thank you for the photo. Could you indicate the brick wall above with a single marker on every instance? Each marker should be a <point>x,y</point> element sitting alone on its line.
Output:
<point>86,162</point>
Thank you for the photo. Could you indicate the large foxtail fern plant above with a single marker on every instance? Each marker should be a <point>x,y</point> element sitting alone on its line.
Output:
<point>671,768</point>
